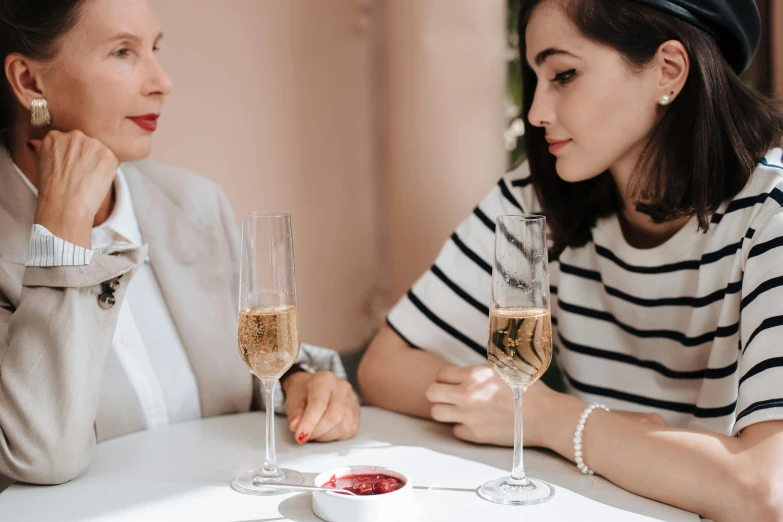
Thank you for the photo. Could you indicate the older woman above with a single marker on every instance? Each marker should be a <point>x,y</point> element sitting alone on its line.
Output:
<point>118,313</point>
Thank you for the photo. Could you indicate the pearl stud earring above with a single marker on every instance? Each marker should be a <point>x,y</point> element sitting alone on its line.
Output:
<point>666,99</point>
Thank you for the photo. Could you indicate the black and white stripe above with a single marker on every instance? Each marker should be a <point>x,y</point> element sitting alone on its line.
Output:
<point>690,330</point>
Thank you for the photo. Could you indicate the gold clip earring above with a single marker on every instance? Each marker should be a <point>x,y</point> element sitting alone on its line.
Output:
<point>39,113</point>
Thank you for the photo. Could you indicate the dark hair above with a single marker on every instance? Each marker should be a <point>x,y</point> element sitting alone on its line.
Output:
<point>32,28</point>
<point>701,152</point>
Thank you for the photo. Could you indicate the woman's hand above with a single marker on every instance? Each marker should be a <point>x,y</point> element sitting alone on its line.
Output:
<point>75,173</point>
<point>481,406</point>
<point>321,407</point>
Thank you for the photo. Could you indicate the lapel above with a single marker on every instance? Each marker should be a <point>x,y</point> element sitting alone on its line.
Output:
<point>190,263</point>
<point>17,213</point>
<point>191,266</point>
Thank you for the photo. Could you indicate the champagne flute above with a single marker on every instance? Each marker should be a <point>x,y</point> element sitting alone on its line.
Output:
<point>268,329</point>
<point>520,338</point>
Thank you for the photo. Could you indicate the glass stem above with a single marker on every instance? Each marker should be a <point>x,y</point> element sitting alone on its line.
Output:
<point>270,462</point>
<point>518,477</point>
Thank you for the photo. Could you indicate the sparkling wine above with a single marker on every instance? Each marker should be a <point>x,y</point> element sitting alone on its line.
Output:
<point>269,340</point>
<point>520,344</point>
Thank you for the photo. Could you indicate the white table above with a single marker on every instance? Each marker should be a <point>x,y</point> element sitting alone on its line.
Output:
<point>182,472</point>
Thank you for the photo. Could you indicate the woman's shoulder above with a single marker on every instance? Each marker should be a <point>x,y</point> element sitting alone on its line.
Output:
<point>179,184</point>
<point>762,197</point>
<point>166,175</point>
<point>768,174</point>
<point>765,184</point>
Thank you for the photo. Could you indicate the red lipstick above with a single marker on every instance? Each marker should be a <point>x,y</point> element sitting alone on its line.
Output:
<point>147,122</point>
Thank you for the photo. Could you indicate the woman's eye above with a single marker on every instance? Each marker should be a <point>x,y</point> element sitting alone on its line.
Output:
<point>564,77</point>
<point>122,53</point>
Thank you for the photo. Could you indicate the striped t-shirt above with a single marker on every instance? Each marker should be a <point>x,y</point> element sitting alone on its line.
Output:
<point>691,329</point>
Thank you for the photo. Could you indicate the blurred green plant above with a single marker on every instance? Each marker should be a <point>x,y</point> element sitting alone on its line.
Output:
<point>515,126</point>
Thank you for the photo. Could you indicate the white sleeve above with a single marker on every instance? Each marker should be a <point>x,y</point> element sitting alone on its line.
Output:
<point>48,250</point>
<point>761,328</point>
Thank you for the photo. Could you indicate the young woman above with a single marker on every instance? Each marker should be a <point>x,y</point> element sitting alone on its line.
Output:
<point>98,343</point>
<point>658,171</point>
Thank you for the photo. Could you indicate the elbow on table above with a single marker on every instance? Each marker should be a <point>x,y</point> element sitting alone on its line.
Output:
<point>760,499</point>
<point>50,466</point>
<point>768,498</point>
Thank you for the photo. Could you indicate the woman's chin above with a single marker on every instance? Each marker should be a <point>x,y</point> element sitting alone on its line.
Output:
<point>138,150</point>
<point>571,173</point>
<point>571,176</point>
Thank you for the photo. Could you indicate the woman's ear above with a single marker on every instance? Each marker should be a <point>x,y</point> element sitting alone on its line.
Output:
<point>673,65</point>
<point>23,75</point>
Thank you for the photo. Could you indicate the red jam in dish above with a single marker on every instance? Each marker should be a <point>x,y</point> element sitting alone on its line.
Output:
<point>367,484</point>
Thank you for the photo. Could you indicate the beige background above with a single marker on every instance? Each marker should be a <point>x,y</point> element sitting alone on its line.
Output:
<point>377,123</point>
<point>446,83</point>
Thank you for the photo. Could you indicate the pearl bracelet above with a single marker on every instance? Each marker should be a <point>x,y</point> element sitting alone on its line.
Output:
<point>580,463</point>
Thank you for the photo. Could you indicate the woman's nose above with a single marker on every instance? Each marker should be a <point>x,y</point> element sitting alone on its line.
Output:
<point>542,111</point>
<point>159,81</point>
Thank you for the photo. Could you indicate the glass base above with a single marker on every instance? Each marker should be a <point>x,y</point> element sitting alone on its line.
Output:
<point>252,482</point>
<point>501,491</point>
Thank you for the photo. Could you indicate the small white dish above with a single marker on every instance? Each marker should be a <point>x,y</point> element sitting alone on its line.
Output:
<point>395,506</point>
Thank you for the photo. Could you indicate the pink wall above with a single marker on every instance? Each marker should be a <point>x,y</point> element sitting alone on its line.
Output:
<point>446,84</point>
<point>377,123</point>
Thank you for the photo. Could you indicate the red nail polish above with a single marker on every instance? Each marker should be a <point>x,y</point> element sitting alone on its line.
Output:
<point>302,437</point>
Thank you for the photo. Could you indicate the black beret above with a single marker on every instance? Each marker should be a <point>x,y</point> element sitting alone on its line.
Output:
<point>735,24</point>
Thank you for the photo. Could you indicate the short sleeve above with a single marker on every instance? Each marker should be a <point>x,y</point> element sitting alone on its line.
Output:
<point>446,311</point>
<point>761,327</point>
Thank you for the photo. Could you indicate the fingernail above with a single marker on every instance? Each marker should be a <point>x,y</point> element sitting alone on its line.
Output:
<point>302,437</point>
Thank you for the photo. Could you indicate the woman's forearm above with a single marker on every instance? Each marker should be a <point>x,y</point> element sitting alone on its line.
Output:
<point>394,376</point>
<point>706,473</point>
<point>54,346</point>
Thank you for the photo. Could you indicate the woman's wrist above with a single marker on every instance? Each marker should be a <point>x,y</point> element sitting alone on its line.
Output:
<point>558,416</point>
<point>287,381</point>
<point>72,225</point>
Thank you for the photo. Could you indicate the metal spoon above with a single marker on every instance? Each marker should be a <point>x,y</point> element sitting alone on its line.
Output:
<point>304,488</point>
